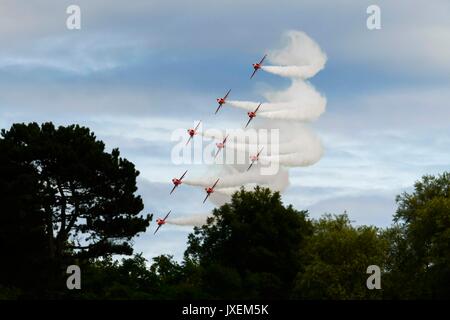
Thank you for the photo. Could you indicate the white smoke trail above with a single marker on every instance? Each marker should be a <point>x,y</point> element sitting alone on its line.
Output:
<point>288,110</point>
<point>196,220</point>
<point>299,146</point>
<point>301,57</point>
<point>231,177</point>
<point>290,71</point>
<point>300,102</point>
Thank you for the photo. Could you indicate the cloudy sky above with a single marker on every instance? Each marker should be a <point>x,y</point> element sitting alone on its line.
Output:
<point>137,70</point>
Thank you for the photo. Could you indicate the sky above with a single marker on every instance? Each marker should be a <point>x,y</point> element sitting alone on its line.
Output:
<point>137,70</point>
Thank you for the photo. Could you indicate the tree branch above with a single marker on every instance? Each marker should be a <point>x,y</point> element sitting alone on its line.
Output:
<point>63,211</point>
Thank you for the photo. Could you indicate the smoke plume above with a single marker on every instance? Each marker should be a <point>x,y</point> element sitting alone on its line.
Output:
<point>196,220</point>
<point>301,57</point>
<point>288,111</point>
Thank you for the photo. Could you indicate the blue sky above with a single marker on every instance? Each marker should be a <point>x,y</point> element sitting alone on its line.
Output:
<point>139,69</point>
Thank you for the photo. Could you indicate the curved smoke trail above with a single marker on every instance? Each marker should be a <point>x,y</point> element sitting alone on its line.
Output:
<point>288,110</point>
<point>192,220</point>
<point>300,58</point>
<point>299,102</point>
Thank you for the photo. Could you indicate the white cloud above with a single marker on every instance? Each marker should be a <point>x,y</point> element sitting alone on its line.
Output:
<point>397,109</point>
<point>363,210</point>
<point>415,37</point>
<point>80,54</point>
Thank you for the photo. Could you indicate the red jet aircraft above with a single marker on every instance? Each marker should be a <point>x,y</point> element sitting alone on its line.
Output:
<point>257,66</point>
<point>210,190</point>
<point>177,182</point>
<point>255,158</point>
<point>252,114</point>
<point>220,146</point>
<point>192,132</point>
<point>221,101</point>
<point>161,222</point>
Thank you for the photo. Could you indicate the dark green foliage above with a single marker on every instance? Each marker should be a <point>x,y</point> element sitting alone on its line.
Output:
<point>108,279</point>
<point>64,199</point>
<point>336,260</point>
<point>251,247</point>
<point>23,242</point>
<point>420,243</point>
<point>133,279</point>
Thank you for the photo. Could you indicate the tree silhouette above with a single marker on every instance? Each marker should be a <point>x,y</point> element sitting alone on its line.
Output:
<point>420,242</point>
<point>23,242</point>
<point>336,259</point>
<point>75,199</point>
<point>251,247</point>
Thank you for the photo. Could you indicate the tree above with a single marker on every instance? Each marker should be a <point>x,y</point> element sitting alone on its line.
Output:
<point>420,242</point>
<point>337,256</point>
<point>251,247</point>
<point>23,242</point>
<point>61,184</point>
<point>106,278</point>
